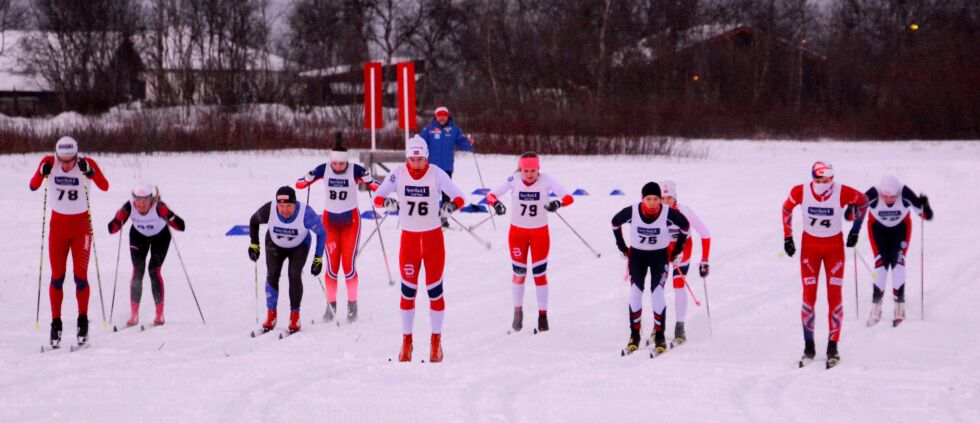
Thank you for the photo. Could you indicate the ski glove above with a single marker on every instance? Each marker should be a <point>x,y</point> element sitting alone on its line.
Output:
<point>852,239</point>
<point>114,226</point>
<point>85,168</point>
<point>449,206</point>
<point>499,208</point>
<point>45,169</point>
<point>553,206</point>
<point>703,268</point>
<point>253,252</point>
<point>317,266</point>
<point>178,223</point>
<point>391,204</point>
<point>789,247</point>
<point>309,177</point>
<point>926,209</point>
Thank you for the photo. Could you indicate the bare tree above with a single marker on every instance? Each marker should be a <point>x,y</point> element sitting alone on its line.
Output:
<point>392,24</point>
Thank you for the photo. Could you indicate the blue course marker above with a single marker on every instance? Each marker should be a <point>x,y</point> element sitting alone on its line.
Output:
<point>368,214</point>
<point>473,208</point>
<point>580,191</point>
<point>237,230</point>
<point>481,191</point>
<point>617,191</point>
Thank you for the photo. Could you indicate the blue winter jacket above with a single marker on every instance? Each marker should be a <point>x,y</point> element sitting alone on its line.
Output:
<point>442,141</point>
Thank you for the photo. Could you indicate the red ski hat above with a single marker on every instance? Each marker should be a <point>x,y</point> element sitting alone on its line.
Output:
<point>821,169</point>
<point>442,110</point>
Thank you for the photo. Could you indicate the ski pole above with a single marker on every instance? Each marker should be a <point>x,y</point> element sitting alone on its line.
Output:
<point>707,305</point>
<point>482,185</point>
<point>95,253</point>
<point>857,309</point>
<point>115,278</point>
<point>597,255</point>
<point>689,290</point>
<point>922,268</point>
<point>177,249</point>
<point>373,232</point>
<point>381,240</point>
<point>40,264</point>
<point>874,276</point>
<point>470,231</point>
<point>256,292</point>
<point>482,221</point>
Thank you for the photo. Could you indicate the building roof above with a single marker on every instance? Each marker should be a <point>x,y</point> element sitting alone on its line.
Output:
<point>14,75</point>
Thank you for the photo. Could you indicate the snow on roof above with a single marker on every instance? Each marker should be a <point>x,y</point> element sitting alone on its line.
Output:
<point>14,75</point>
<point>342,69</point>
<point>183,54</point>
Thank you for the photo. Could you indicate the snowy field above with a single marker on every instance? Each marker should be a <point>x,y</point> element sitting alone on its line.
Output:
<point>922,371</point>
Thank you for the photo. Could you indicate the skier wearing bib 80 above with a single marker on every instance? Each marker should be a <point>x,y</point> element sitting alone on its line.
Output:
<point>650,239</point>
<point>419,187</point>
<point>823,202</point>
<point>529,230</point>
<point>342,222</point>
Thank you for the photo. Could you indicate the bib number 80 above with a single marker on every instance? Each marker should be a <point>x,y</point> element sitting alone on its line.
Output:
<point>338,195</point>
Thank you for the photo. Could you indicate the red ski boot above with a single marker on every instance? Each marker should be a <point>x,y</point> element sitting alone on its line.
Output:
<point>435,355</point>
<point>270,321</point>
<point>406,353</point>
<point>134,319</point>
<point>159,317</point>
<point>293,321</point>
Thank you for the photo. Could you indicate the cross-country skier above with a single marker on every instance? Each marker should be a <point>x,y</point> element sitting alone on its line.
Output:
<point>650,239</point>
<point>288,237</point>
<point>681,267</point>
<point>71,226</point>
<point>148,235</point>
<point>890,229</point>
<point>823,202</point>
<point>342,222</point>
<point>419,187</point>
<point>528,235</point>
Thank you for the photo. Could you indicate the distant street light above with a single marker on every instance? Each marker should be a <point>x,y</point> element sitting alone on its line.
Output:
<point>695,78</point>
<point>914,27</point>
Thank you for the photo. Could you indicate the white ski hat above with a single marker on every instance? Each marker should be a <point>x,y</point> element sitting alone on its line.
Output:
<point>339,156</point>
<point>668,189</point>
<point>889,186</point>
<point>416,147</point>
<point>66,146</point>
<point>822,169</point>
<point>144,189</point>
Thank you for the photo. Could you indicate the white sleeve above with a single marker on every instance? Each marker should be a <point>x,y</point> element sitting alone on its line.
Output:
<point>447,186</point>
<point>556,187</point>
<point>389,184</point>
<point>695,222</point>
<point>504,187</point>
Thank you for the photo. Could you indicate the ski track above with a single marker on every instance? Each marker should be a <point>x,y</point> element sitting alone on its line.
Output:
<point>745,371</point>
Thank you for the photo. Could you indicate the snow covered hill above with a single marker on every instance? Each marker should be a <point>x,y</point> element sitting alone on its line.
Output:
<point>746,371</point>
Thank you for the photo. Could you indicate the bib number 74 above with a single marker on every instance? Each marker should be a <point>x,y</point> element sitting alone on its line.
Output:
<point>822,222</point>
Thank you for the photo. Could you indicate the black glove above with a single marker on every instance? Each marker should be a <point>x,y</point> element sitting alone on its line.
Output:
<point>114,226</point>
<point>499,207</point>
<point>850,212</point>
<point>317,266</point>
<point>789,247</point>
<point>178,223</point>
<point>852,239</point>
<point>449,206</point>
<point>46,169</point>
<point>926,209</point>
<point>703,268</point>
<point>623,248</point>
<point>83,166</point>
<point>553,206</point>
<point>391,204</point>
<point>253,252</point>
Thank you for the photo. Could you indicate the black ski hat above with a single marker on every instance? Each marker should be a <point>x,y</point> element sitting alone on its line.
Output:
<point>286,195</point>
<point>651,188</point>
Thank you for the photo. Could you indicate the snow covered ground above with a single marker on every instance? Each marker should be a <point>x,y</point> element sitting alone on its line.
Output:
<point>922,371</point>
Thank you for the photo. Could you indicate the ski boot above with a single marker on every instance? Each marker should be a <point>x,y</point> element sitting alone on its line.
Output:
<point>659,342</point>
<point>406,353</point>
<point>293,321</point>
<point>833,357</point>
<point>435,355</point>
<point>158,320</point>
<point>542,321</point>
<point>875,315</point>
<point>270,321</point>
<point>679,336</point>
<point>809,352</point>
<point>134,318</point>
<point>518,319</point>
<point>633,344</point>
<point>56,330</point>
<point>899,313</point>
<point>330,312</point>
<point>82,329</point>
<point>351,311</point>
